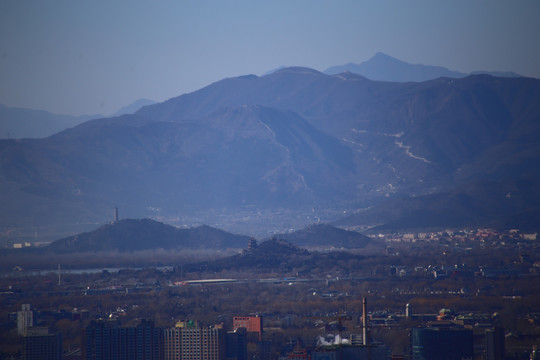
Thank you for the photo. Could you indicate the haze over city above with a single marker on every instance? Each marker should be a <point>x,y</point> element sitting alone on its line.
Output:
<point>278,180</point>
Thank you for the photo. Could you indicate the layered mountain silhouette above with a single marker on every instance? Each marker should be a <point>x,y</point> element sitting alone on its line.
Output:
<point>133,107</point>
<point>384,67</point>
<point>20,123</point>
<point>296,139</point>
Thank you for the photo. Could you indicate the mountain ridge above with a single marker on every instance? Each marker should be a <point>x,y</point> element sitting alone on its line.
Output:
<point>383,67</point>
<point>296,139</point>
<point>20,123</point>
<point>133,107</point>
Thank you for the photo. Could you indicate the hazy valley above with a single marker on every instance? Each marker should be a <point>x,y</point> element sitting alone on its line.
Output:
<point>295,142</point>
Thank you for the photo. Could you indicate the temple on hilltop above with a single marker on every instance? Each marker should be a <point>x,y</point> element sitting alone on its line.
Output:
<point>252,244</point>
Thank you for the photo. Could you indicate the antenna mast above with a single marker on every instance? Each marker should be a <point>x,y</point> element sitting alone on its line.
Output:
<point>364,321</point>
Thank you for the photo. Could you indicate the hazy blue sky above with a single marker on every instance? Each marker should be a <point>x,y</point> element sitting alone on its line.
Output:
<point>90,57</point>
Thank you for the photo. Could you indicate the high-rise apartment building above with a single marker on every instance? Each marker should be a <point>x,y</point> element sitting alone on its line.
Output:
<point>236,344</point>
<point>25,319</point>
<point>39,344</point>
<point>190,341</point>
<point>495,344</point>
<point>441,344</point>
<point>108,341</point>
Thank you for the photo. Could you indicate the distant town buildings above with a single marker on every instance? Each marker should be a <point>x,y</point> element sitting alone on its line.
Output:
<point>458,235</point>
<point>529,236</point>
<point>444,335</point>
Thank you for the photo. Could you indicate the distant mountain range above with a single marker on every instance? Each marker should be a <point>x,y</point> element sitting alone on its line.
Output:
<point>133,107</point>
<point>299,140</point>
<point>382,67</point>
<point>19,123</point>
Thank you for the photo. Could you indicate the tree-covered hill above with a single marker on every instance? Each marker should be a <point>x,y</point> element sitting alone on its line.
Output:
<point>146,234</point>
